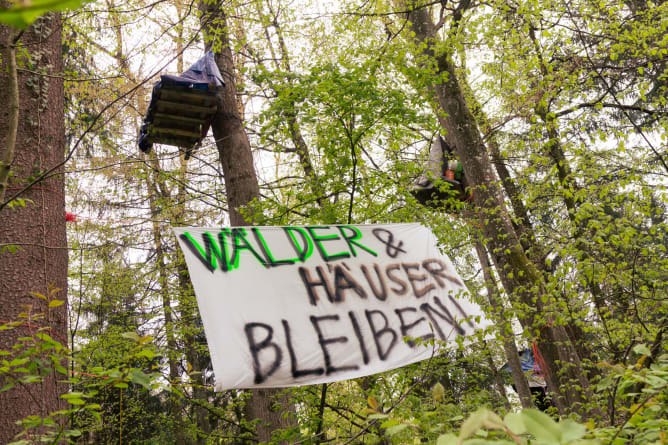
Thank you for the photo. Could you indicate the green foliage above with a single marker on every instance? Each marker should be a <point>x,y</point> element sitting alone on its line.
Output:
<point>19,202</point>
<point>525,427</point>
<point>644,419</point>
<point>641,393</point>
<point>21,14</point>
<point>43,355</point>
<point>358,92</point>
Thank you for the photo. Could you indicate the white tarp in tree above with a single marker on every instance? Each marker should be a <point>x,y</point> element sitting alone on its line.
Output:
<point>290,306</point>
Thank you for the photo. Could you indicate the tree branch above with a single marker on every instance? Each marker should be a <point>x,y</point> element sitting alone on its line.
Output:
<point>9,48</point>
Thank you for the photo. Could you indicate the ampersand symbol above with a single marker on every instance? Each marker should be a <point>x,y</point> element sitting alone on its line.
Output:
<point>386,237</point>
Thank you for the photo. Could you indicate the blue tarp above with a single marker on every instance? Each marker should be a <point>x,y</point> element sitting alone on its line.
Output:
<point>199,76</point>
<point>535,379</point>
<point>527,361</point>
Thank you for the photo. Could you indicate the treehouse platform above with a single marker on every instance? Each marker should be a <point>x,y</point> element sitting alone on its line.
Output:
<point>182,107</point>
<point>442,179</point>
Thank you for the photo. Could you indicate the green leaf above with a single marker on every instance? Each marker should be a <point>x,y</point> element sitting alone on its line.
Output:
<point>72,433</point>
<point>18,361</point>
<point>56,303</point>
<point>641,350</point>
<point>571,430</point>
<point>477,441</point>
<point>22,16</point>
<point>389,422</point>
<point>44,336</point>
<point>146,353</point>
<point>145,339</point>
<point>473,423</point>
<point>515,423</point>
<point>437,392</point>
<point>395,429</point>
<point>493,421</point>
<point>447,439</point>
<point>130,336</point>
<point>140,378</point>
<point>541,426</point>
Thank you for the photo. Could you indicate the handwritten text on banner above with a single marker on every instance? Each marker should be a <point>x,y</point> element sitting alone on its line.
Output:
<point>289,306</point>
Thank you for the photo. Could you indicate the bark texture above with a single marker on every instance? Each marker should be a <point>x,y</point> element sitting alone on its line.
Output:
<point>156,202</point>
<point>12,122</point>
<point>564,374</point>
<point>39,227</point>
<point>271,408</point>
<point>509,346</point>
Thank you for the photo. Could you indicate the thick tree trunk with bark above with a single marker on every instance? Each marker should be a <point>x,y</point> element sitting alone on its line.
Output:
<point>38,228</point>
<point>564,375</point>
<point>270,407</point>
<point>234,149</point>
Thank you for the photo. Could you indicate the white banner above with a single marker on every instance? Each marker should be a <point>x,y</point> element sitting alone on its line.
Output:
<point>290,306</point>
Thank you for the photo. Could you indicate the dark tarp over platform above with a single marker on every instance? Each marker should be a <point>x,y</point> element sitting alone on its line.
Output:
<point>433,188</point>
<point>182,107</point>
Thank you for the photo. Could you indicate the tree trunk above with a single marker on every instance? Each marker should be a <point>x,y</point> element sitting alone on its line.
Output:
<point>270,406</point>
<point>509,346</point>
<point>525,232</point>
<point>156,202</point>
<point>498,380</point>
<point>564,375</point>
<point>12,121</point>
<point>569,187</point>
<point>39,227</point>
<point>173,209</point>
<point>300,146</point>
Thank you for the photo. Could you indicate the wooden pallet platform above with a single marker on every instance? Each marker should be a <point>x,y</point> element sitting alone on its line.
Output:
<point>188,97</point>
<point>189,110</point>
<point>182,116</point>
<point>176,141</point>
<point>162,131</point>
<point>176,119</point>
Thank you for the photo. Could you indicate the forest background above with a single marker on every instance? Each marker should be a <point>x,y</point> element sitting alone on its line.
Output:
<point>556,109</point>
